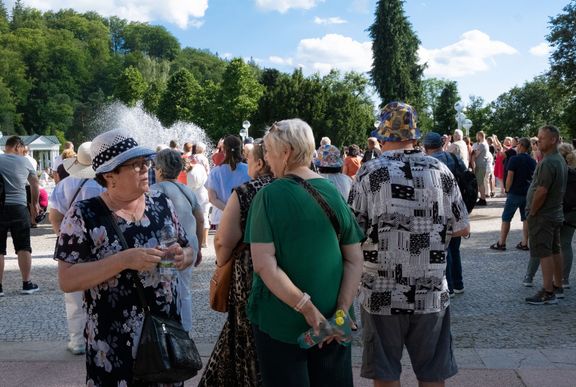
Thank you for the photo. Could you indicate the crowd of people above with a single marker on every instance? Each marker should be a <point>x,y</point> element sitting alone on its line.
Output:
<point>309,230</point>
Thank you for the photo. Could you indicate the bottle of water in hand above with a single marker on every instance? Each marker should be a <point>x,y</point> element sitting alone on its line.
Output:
<point>338,325</point>
<point>167,239</point>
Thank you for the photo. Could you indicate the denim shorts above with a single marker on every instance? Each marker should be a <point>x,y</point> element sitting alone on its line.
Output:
<point>427,338</point>
<point>16,219</point>
<point>514,202</point>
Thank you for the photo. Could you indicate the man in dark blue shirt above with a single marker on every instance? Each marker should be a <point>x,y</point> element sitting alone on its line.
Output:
<point>433,144</point>
<point>519,171</point>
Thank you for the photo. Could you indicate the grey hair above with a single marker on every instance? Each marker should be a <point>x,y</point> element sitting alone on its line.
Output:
<point>296,134</point>
<point>325,141</point>
<point>170,163</point>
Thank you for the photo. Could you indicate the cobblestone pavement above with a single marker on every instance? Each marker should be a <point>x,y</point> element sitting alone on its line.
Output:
<point>491,313</point>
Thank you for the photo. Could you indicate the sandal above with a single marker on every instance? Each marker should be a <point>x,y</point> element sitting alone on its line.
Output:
<point>520,246</point>
<point>498,246</point>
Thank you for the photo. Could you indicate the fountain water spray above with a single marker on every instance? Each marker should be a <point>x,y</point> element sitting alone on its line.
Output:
<point>146,128</point>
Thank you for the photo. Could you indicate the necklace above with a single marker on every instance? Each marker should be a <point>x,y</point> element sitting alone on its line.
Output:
<point>132,216</point>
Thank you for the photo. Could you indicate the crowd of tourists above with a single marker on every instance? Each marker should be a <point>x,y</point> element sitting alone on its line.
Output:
<point>306,230</point>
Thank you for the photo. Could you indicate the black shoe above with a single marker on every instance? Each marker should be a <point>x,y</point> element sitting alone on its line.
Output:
<point>29,287</point>
<point>559,292</point>
<point>1,291</point>
<point>481,202</point>
<point>542,298</point>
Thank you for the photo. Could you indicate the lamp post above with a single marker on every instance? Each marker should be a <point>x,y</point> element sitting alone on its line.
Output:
<point>461,119</point>
<point>246,124</point>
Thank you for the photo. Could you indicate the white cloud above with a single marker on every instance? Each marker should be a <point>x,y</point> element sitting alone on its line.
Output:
<point>278,60</point>
<point>473,53</point>
<point>542,49</point>
<point>334,51</point>
<point>283,6</point>
<point>182,13</point>
<point>361,6</point>
<point>330,20</point>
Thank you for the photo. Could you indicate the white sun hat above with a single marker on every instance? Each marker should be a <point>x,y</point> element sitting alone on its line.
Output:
<point>81,165</point>
<point>112,149</point>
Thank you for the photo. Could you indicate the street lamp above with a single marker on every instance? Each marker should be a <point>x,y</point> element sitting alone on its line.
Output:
<point>461,119</point>
<point>246,124</point>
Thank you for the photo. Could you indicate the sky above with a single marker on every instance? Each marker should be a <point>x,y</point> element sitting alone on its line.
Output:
<point>487,46</point>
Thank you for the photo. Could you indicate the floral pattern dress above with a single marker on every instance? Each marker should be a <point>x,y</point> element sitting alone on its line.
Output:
<point>114,313</point>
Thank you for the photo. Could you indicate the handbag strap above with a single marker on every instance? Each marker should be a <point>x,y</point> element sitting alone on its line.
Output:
<point>183,193</point>
<point>321,201</point>
<point>77,192</point>
<point>106,215</point>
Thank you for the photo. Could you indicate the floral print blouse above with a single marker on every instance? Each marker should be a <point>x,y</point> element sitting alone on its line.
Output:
<point>114,313</point>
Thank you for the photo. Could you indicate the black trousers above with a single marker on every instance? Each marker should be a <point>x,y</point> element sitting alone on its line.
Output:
<point>287,365</point>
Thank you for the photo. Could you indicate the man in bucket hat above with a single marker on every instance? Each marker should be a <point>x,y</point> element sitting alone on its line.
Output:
<point>409,206</point>
<point>78,186</point>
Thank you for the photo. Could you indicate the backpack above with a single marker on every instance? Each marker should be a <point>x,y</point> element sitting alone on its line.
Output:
<point>468,185</point>
<point>570,193</point>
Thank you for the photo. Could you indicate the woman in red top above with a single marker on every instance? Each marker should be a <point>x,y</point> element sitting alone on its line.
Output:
<point>352,162</point>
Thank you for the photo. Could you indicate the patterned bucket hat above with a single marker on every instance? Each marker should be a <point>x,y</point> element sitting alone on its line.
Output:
<point>329,157</point>
<point>398,122</point>
<point>111,149</point>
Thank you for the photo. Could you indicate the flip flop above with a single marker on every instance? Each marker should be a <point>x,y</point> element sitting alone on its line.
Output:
<point>520,246</point>
<point>498,246</point>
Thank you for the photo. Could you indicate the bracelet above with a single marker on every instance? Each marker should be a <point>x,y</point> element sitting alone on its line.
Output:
<point>305,298</point>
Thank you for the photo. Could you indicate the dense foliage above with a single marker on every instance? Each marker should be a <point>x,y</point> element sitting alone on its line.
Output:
<point>58,69</point>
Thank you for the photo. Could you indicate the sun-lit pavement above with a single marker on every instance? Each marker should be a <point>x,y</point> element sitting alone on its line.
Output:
<point>499,340</point>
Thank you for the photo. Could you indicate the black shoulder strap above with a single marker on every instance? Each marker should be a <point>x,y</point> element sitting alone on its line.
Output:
<point>77,192</point>
<point>321,201</point>
<point>106,217</point>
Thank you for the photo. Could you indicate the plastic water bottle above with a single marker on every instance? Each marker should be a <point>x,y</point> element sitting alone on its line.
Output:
<point>338,325</point>
<point>167,239</point>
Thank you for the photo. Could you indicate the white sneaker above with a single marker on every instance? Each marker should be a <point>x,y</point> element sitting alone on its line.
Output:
<point>76,349</point>
<point>458,291</point>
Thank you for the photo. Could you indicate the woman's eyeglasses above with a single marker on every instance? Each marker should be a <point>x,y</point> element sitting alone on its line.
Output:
<point>138,165</point>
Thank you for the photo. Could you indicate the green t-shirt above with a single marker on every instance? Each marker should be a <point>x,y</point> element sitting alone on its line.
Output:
<point>551,173</point>
<point>307,250</point>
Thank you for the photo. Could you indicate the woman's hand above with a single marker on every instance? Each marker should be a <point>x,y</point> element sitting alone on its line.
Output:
<point>182,256</point>
<point>142,259</point>
<point>313,316</point>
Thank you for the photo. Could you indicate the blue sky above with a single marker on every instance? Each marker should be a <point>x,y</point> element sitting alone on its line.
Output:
<point>486,46</point>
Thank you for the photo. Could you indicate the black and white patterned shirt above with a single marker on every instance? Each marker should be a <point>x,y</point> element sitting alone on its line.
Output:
<point>408,204</point>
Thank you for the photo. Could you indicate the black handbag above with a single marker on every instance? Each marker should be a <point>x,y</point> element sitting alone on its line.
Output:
<point>166,353</point>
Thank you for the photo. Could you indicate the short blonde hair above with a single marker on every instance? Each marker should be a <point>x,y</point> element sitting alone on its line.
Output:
<point>67,153</point>
<point>296,134</point>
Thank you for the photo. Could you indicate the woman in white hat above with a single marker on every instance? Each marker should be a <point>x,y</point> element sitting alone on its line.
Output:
<point>91,257</point>
<point>80,185</point>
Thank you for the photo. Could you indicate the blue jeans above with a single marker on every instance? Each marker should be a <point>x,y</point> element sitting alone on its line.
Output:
<point>454,265</point>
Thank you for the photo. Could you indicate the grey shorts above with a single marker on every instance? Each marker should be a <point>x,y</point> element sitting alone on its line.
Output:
<point>427,338</point>
<point>544,237</point>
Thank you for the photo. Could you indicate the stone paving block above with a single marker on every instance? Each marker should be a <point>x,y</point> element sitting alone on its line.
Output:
<point>561,358</point>
<point>548,378</point>
<point>485,378</point>
<point>468,358</point>
<point>514,358</point>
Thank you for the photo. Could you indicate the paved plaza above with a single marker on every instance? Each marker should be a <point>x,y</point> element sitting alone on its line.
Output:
<point>499,339</point>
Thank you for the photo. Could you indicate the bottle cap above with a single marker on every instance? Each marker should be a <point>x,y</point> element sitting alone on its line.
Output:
<point>339,321</point>
<point>340,313</point>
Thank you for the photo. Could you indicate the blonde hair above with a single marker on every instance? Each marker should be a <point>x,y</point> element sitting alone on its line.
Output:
<point>295,134</point>
<point>68,153</point>
<point>567,151</point>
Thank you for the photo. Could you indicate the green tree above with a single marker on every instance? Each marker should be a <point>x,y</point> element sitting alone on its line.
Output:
<point>479,113</point>
<point>179,101</point>
<point>444,113</point>
<point>239,95</point>
<point>4,22</point>
<point>152,96</point>
<point>130,87</point>
<point>201,63</point>
<point>562,38</point>
<point>7,110</point>
<point>395,72</point>
<point>155,41</point>
<point>431,90</point>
